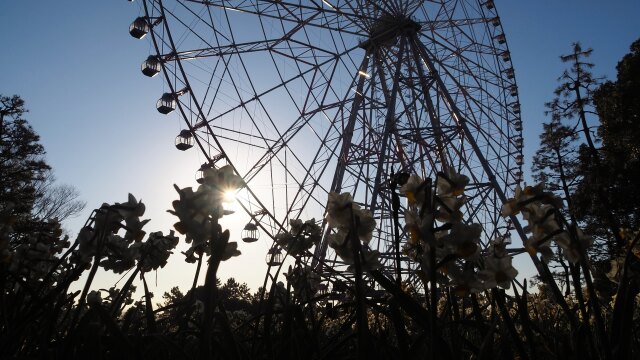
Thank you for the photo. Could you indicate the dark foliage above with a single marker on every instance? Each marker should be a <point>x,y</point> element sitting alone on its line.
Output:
<point>618,107</point>
<point>21,159</point>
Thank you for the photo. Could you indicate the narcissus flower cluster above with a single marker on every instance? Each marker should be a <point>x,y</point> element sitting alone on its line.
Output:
<point>120,253</point>
<point>300,237</point>
<point>442,243</point>
<point>305,282</point>
<point>545,224</point>
<point>351,221</point>
<point>498,269</point>
<point>434,221</point>
<point>198,212</point>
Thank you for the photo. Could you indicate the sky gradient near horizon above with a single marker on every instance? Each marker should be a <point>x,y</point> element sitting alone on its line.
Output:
<point>77,68</point>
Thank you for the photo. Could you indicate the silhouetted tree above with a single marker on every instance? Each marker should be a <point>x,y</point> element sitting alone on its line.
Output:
<point>28,192</point>
<point>556,161</point>
<point>234,295</point>
<point>574,101</point>
<point>56,201</point>
<point>555,164</point>
<point>21,159</point>
<point>618,106</point>
<point>574,94</point>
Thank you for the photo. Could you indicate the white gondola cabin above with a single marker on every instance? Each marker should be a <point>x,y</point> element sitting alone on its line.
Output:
<point>506,56</point>
<point>518,126</point>
<point>518,143</point>
<point>184,140</point>
<point>139,27</point>
<point>250,233</point>
<point>152,66</point>
<point>322,289</point>
<point>200,172</point>
<point>518,177</point>
<point>167,103</point>
<point>510,73</point>
<point>274,256</point>
<point>339,287</point>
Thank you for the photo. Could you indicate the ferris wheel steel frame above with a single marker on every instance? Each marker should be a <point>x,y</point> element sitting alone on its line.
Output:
<point>411,105</point>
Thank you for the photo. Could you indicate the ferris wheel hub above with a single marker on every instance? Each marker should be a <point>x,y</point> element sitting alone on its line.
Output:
<point>388,29</point>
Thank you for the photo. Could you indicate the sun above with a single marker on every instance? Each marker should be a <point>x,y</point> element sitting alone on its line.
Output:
<point>229,196</point>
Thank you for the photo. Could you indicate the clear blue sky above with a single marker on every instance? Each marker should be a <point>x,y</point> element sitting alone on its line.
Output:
<point>77,68</point>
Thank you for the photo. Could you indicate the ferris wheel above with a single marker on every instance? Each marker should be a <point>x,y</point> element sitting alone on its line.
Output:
<point>307,97</point>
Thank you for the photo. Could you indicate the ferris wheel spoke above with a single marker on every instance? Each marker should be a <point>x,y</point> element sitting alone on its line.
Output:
<point>294,129</point>
<point>470,101</point>
<point>433,117</point>
<point>488,139</point>
<point>239,49</point>
<point>436,25</point>
<point>316,170</point>
<point>459,54</point>
<point>390,96</point>
<point>263,94</point>
<point>461,119</point>
<point>321,162</point>
<point>313,171</point>
<point>328,17</point>
<point>331,151</point>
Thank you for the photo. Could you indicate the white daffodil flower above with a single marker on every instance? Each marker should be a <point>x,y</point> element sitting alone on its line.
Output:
<point>339,210</point>
<point>366,225</point>
<point>465,281</point>
<point>414,190</point>
<point>452,183</point>
<point>463,240</point>
<point>533,247</point>
<point>498,271</point>
<point>343,214</point>
<point>300,237</point>
<point>230,250</point>
<point>132,208</point>
<point>448,208</point>
<point>570,249</point>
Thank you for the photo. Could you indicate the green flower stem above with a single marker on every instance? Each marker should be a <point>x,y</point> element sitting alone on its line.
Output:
<point>148,309</point>
<point>523,312</point>
<point>361,310</point>
<point>595,305</point>
<point>197,274</point>
<point>498,296</point>
<point>217,244</point>
<point>433,292</point>
<point>45,281</point>
<point>401,331</point>
<point>117,303</point>
<point>268,312</point>
<point>406,302</point>
<point>101,237</point>
<point>395,202</point>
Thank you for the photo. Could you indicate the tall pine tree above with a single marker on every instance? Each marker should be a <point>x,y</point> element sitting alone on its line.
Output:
<point>618,107</point>
<point>22,162</point>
